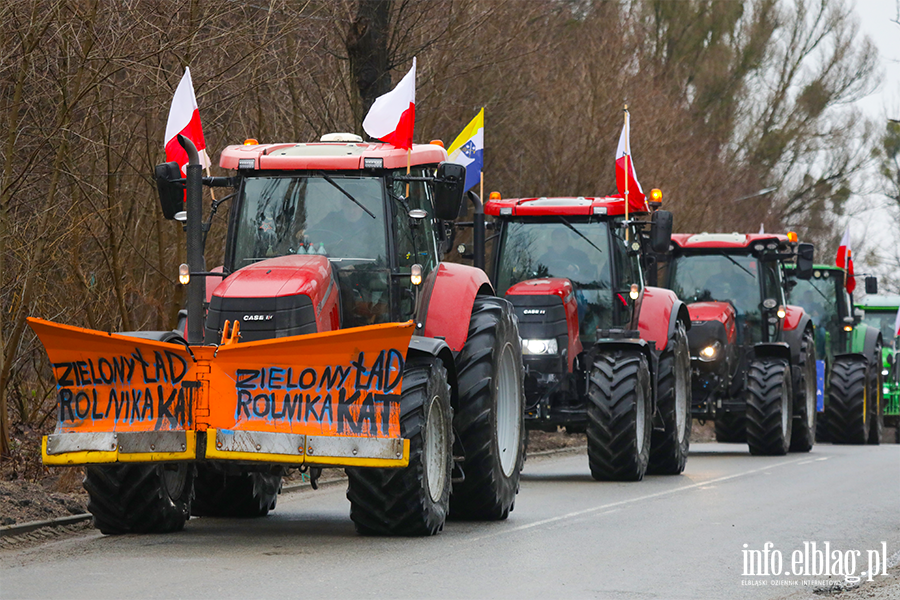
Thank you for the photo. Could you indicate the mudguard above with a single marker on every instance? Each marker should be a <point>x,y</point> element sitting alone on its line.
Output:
<point>449,296</point>
<point>771,350</point>
<point>425,346</point>
<point>865,340</point>
<point>796,323</point>
<point>659,314</point>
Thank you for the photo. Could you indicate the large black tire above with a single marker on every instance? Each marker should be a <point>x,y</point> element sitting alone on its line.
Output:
<point>242,495</point>
<point>139,498</point>
<point>847,406</point>
<point>413,501</point>
<point>669,446</point>
<point>876,399</point>
<point>803,434</point>
<point>731,428</point>
<point>489,420</point>
<point>619,416</point>
<point>770,404</point>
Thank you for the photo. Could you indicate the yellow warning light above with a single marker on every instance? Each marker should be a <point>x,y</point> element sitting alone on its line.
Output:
<point>792,236</point>
<point>184,274</point>
<point>437,143</point>
<point>495,196</point>
<point>656,195</point>
<point>251,142</point>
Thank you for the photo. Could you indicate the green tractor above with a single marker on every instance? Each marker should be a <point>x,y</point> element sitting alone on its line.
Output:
<point>881,313</point>
<point>849,369</point>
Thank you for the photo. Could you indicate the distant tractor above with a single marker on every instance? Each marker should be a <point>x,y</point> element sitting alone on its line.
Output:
<point>604,354</point>
<point>881,313</point>
<point>336,338</point>
<point>852,406</point>
<point>753,356</point>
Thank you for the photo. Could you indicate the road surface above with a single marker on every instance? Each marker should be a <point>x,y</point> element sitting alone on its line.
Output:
<point>568,537</point>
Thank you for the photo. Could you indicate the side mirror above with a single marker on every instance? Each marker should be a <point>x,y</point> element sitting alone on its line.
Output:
<point>660,231</point>
<point>449,186</point>
<point>171,190</point>
<point>871,284</point>
<point>804,261</point>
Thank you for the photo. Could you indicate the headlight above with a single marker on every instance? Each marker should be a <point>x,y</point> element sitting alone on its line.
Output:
<point>539,347</point>
<point>711,352</point>
<point>781,312</point>
<point>885,372</point>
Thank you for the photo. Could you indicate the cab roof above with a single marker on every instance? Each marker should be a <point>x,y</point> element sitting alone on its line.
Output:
<point>328,156</point>
<point>538,207</point>
<point>724,240</point>
<point>876,302</point>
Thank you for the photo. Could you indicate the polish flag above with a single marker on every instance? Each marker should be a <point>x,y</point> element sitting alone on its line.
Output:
<point>393,115</point>
<point>897,324</point>
<point>184,118</point>
<point>844,259</point>
<point>636,197</point>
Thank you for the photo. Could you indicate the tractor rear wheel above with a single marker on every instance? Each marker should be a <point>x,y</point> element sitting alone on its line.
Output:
<point>413,501</point>
<point>619,416</point>
<point>139,498</point>
<point>876,400</point>
<point>803,434</point>
<point>770,405</point>
<point>847,409</point>
<point>731,428</point>
<point>489,422</point>
<point>669,447</point>
<point>243,495</point>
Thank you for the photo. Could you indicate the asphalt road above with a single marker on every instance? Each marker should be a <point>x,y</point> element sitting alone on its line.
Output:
<point>569,537</point>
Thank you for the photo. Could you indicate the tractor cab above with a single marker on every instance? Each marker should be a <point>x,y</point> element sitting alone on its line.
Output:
<point>342,216</point>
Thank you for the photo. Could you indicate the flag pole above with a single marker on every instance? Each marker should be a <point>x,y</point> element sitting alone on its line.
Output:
<point>627,158</point>
<point>408,161</point>
<point>481,186</point>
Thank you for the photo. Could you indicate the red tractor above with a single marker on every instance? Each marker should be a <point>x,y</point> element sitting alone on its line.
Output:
<point>753,355</point>
<point>603,353</point>
<point>336,337</point>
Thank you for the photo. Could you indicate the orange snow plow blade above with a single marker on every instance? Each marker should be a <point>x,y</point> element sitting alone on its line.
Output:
<point>320,399</point>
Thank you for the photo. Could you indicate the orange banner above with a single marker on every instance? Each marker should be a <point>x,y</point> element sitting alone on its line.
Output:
<point>336,383</point>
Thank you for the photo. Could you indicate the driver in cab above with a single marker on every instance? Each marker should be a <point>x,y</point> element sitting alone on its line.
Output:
<point>562,259</point>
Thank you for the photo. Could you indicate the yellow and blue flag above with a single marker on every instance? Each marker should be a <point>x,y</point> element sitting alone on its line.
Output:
<point>468,149</point>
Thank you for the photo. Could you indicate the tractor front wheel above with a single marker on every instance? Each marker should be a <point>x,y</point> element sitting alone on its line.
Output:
<point>243,495</point>
<point>847,410</point>
<point>876,399</point>
<point>139,498</point>
<point>489,421</point>
<point>413,501</point>
<point>619,416</point>
<point>770,406</point>
<point>669,447</point>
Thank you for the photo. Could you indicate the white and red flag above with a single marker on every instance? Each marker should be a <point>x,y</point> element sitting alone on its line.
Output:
<point>625,175</point>
<point>392,117</point>
<point>844,260</point>
<point>897,324</point>
<point>184,118</point>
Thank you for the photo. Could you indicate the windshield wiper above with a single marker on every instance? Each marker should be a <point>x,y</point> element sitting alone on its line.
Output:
<point>740,265</point>
<point>581,235</point>
<point>346,193</point>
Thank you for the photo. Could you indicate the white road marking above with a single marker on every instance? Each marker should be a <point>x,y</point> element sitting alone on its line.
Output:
<point>603,507</point>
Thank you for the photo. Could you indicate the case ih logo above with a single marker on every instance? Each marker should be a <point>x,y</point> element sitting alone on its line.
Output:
<point>257,317</point>
<point>534,311</point>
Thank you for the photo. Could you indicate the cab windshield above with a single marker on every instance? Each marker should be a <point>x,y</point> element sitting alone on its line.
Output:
<point>309,215</point>
<point>883,320</point>
<point>278,216</point>
<point>569,250</point>
<point>819,298</point>
<point>732,278</point>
